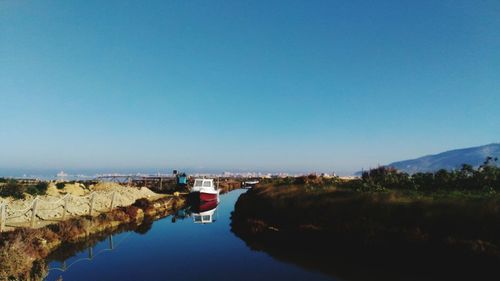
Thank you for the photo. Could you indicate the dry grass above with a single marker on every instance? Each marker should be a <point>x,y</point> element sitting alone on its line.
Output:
<point>371,215</point>
<point>357,230</point>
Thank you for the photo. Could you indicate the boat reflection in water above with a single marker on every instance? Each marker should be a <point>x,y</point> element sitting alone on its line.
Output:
<point>205,213</point>
<point>202,212</point>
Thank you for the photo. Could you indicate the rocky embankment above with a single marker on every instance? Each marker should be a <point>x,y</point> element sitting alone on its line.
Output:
<point>50,206</point>
<point>368,236</point>
<point>23,250</point>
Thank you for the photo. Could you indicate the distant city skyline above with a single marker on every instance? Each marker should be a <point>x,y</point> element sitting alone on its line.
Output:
<point>278,86</point>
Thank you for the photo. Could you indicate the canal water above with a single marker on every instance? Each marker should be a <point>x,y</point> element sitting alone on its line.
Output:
<point>183,250</point>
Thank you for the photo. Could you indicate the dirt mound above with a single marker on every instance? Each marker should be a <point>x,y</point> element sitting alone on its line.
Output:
<point>106,186</point>
<point>52,190</point>
<point>77,189</point>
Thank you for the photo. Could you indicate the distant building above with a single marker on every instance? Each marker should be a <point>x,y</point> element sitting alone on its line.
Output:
<point>61,174</point>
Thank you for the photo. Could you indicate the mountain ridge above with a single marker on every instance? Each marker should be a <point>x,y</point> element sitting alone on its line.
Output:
<point>449,160</point>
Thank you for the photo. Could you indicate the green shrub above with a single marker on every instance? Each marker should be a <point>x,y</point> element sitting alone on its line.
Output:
<point>283,181</point>
<point>42,187</point>
<point>38,189</point>
<point>32,190</point>
<point>13,189</point>
<point>60,185</point>
<point>485,179</point>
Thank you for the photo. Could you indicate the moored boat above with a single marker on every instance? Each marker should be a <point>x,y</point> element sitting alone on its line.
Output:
<point>204,190</point>
<point>249,184</point>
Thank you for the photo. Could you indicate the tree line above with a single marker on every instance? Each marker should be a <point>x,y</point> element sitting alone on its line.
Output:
<point>11,187</point>
<point>485,177</point>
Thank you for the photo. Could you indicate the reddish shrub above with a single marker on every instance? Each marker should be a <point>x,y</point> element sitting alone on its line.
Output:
<point>142,203</point>
<point>131,211</point>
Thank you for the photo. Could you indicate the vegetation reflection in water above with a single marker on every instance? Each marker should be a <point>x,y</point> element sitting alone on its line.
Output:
<point>176,247</point>
<point>65,266</point>
<point>201,214</point>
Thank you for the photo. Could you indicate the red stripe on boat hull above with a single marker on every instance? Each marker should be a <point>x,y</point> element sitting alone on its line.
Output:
<point>208,197</point>
<point>206,206</point>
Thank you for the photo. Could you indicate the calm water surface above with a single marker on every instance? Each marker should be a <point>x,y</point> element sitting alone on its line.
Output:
<point>179,251</point>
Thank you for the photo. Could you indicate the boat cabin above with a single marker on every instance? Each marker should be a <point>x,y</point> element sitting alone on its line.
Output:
<point>204,184</point>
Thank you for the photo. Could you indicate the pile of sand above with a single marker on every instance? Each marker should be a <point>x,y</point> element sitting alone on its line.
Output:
<point>105,186</point>
<point>77,189</point>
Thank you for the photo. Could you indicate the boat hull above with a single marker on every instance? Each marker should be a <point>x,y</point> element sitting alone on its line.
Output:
<point>208,197</point>
<point>198,198</point>
<point>205,206</point>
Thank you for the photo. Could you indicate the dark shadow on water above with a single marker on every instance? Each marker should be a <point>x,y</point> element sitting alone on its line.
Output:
<point>350,255</point>
<point>385,260</point>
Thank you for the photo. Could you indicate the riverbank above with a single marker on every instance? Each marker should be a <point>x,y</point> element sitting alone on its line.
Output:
<point>23,250</point>
<point>356,235</point>
<point>70,200</point>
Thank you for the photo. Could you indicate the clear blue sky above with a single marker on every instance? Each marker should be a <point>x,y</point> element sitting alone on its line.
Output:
<point>256,85</point>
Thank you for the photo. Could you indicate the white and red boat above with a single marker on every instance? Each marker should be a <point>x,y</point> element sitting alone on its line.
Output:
<point>204,190</point>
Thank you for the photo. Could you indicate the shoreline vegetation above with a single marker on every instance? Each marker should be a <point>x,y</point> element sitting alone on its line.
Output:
<point>386,225</point>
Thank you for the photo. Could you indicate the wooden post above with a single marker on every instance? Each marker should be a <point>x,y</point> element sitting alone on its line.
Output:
<point>113,198</point>
<point>111,243</point>
<point>33,211</point>
<point>92,201</point>
<point>65,207</point>
<point>3,216</point>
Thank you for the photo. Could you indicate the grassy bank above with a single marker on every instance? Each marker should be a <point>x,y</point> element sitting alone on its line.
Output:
<point>389,234</point>
<point>22,252</point>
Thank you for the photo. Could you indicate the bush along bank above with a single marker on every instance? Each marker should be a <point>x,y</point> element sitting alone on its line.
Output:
<point>22,251</point>
<point>466,181</point>
<point>16,190</point>
<point>358,235</point>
